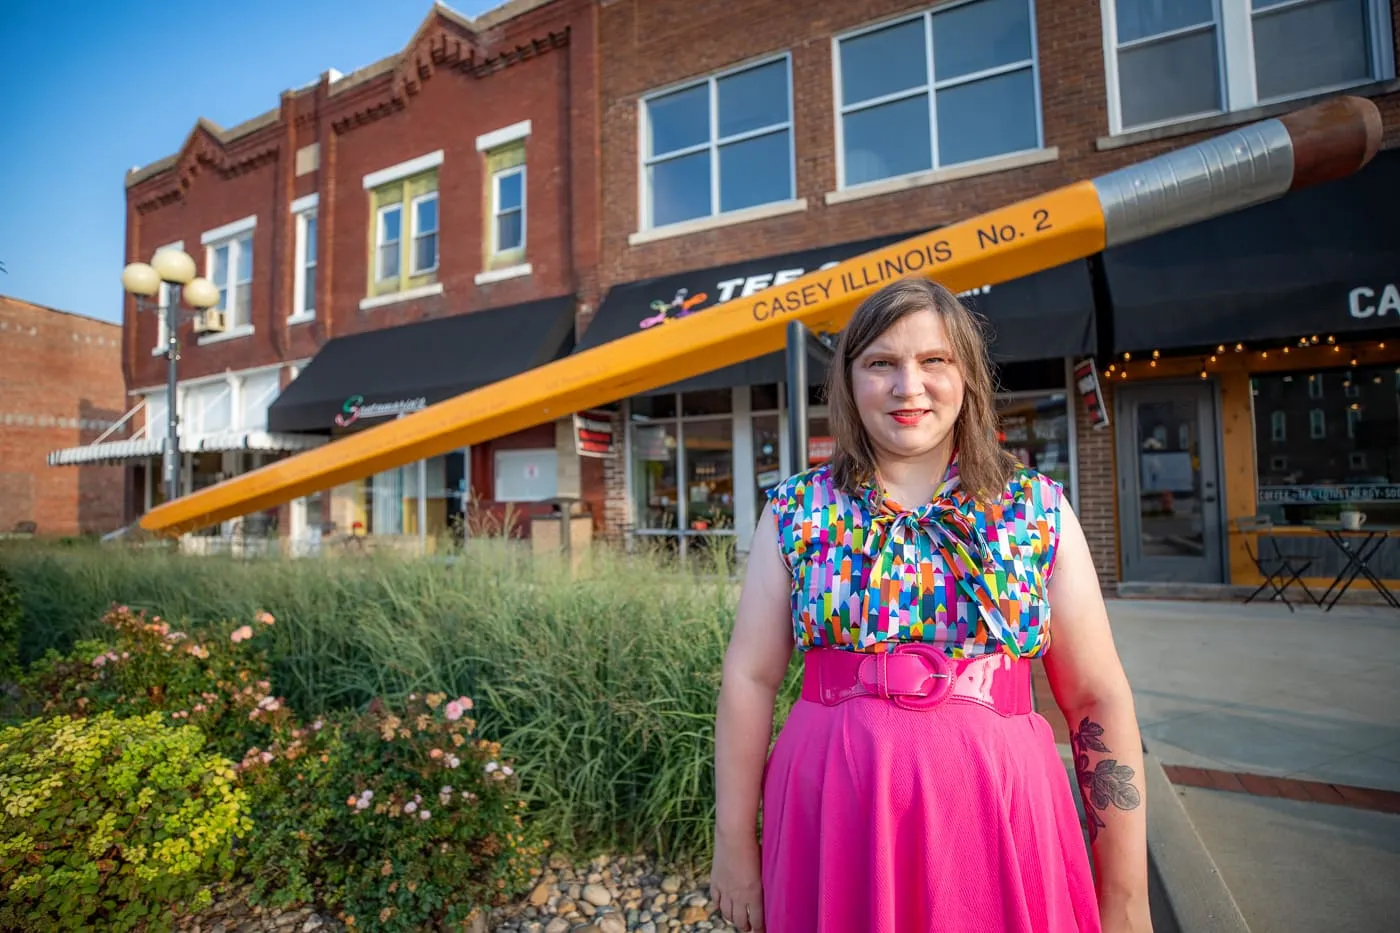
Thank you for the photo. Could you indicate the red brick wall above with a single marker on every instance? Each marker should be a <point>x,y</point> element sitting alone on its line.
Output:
<point>60,386</point>
<point>366,125</point>
<point>639,45</point>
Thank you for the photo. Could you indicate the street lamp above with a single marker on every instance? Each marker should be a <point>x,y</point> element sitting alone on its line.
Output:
<point>174,268</point>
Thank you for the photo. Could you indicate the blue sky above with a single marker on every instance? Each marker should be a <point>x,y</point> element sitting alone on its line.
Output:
<point>90,94</point>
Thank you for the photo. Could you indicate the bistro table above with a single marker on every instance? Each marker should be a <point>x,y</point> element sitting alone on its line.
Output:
<point>1357,547</point>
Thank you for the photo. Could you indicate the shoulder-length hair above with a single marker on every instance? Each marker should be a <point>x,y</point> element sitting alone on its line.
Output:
<point>984,467</point>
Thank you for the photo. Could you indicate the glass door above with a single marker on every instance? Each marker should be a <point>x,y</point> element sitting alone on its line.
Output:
<point>1169,497</point>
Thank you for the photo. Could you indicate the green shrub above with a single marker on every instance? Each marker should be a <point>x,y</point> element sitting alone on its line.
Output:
<point>603,691</point>
<point>111,823</point>
<point>216,679</point>
<point>10,617</point>
<point>429,827</point>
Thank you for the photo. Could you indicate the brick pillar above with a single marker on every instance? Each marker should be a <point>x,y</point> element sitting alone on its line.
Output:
<point>617,522</point>
<point>1097,507</point>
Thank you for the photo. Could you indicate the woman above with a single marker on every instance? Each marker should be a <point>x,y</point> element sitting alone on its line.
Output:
<point>912,789</point>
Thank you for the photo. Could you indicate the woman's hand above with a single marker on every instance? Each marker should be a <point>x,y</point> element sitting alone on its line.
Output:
<point>736,882</point>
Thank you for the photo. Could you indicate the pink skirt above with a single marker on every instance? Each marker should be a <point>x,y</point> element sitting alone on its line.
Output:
<point>880,818</point>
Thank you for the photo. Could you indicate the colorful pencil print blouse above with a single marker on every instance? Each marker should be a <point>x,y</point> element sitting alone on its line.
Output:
<point>970,578</point>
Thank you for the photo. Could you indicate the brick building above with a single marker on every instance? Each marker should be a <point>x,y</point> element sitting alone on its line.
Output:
<point>380,240</point>
<point>555,175</point>
<point>60,385</point>
<point>746,142</point>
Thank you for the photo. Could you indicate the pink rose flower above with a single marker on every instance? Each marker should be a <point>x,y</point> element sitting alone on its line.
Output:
<point>454,710</point>
<point>242,633</point>
<point>265,618</point>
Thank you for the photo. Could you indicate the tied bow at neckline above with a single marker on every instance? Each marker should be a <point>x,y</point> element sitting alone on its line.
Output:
<point>961,544</point>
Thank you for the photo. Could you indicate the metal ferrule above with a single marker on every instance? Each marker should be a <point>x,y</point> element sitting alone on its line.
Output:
<point>1227,173</point>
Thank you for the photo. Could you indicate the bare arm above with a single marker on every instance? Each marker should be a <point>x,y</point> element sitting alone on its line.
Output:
<point>1091,689</point>
<point>755,663</point>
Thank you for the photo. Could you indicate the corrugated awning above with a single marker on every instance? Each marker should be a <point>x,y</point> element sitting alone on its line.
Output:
<point>115,452</point>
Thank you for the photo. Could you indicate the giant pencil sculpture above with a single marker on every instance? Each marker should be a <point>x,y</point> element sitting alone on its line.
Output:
<point>1244,167</point>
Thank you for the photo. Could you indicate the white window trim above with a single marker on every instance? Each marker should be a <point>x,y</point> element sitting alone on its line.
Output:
<point>233,333</point>
<point>229,230</point>
<point>380,242</point>
<point>931,87</point>
<point>413,234</point>
<point>699,224</point>
<point>300,314</point>
<point>308,203</point>
<point>496,209</point>
<point>231,285</point>
<point>391,298</point>
<point>1278,426</point>
<point>988,166</point>
<point>645,224</point>
<point>503,137</point>
<point>500,275</point>
<point>402,170</point>
<point>1234,24</point>
<point>162,297</point>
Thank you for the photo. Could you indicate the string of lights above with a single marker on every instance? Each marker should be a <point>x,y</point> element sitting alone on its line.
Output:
<point>1306,351</point>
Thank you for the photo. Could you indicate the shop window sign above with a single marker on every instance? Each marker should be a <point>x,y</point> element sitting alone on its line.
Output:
<point>1350,454</point>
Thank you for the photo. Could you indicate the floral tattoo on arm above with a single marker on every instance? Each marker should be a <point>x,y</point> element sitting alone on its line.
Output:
<point>1106,783</point>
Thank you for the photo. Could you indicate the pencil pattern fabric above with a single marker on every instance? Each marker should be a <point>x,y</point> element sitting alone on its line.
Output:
<point>969,577</point>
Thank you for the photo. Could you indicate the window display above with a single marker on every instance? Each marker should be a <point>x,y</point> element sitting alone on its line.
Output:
<point>1035,429</point>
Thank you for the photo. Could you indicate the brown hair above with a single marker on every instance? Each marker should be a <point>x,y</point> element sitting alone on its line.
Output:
<point>985,468</point>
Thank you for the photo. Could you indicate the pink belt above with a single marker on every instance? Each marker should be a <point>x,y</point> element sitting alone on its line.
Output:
<point>918,677</point>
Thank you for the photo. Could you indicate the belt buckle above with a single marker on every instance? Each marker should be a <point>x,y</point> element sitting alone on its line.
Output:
<point>940,677</point>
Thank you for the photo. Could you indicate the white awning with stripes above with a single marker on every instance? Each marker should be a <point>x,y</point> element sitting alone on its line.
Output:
<point>113,452</point>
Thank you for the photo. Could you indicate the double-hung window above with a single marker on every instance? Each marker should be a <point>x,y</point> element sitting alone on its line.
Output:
<point>425,234</point>
<point>228,261</point>
<point>952,85</point>
<point>718,145</point>
<point>388,243</point>
<point>503,153</point>
<point>304,281</point>
<point>508,211</point>
<point>1179,60</point>
<point>405,212</point>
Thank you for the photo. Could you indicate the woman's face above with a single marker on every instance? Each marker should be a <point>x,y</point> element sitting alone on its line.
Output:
<point>908,387</point>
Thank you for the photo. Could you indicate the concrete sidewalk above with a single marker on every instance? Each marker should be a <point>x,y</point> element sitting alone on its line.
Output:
<point>1307,695</point>
<point>1256,716</point>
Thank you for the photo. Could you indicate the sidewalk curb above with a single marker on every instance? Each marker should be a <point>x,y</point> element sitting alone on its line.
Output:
<point>1195,892</point>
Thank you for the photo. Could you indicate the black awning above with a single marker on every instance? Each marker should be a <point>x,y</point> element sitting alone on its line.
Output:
<point>1318,261</point>
<point>366,378</point>
<point>1046,315</point>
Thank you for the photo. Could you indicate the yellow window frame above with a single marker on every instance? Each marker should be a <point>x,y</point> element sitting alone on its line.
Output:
<point>401,192</point>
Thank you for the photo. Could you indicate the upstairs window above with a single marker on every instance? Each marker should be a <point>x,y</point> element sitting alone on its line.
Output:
<point>304,281</point>
<point>1185,59</point>
<point>718,145</point>
<point>404,207</point>
<point>228,264</point>
<point>949,86</point>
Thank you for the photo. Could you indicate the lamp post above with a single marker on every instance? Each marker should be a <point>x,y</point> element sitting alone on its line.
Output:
<point>175,268</point>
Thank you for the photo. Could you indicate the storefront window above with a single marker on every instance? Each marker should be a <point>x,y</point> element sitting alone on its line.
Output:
<point>767,458</point>
<point>1328,440</point>
<point>654,476</point>
<point>1035,430</point>
<point>709,474</point>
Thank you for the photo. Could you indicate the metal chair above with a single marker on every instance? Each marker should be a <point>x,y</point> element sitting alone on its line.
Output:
<point>1278,569</point>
